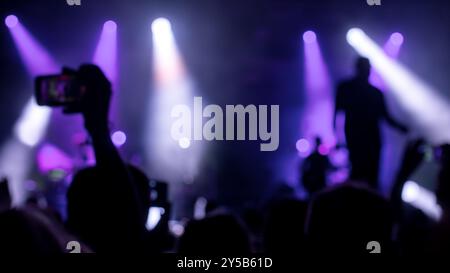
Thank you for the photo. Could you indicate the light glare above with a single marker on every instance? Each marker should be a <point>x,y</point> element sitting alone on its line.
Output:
<point>110,26</point>
<point>309,36</point>
<point>119,138</point>
<point>397,38</point>
<point>11,21</point>
<point>421,198</point>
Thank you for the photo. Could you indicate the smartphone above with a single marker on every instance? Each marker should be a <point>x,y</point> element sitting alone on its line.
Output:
<point>158,202</point>
<point>154,216</point>
<point>158,193</point>
<point>56,90</point>
<point>5,196</point>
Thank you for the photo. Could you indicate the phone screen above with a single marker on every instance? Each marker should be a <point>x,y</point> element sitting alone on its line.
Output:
<point>154,215</point>
<point>54,90</point>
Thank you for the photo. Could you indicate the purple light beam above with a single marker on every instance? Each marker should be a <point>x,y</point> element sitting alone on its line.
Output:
<point>392,49</point>
<point>105,55</point>
<point>34,56</point>
<point>318,113</point>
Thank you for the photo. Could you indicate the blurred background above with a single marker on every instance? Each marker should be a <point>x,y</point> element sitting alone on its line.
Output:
<point>227,52</point>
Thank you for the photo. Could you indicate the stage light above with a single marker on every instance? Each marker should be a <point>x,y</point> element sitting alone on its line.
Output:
<point>429,112</point>
<point>161,26</point>
<point>317,118</point>
<point>397,38</point>
<point>170,159</point>
<point>393,45</point>
<point>303,146</point>
<point>110,26</point>
<point>392,49</point>
<point>15,161</point>
<point>105,55</point>
<point>168,66</point>
<point>421,198</point>
<point>11,21</point>
<point>32,124</point>
<point>354,36</point>
<point>119,138</point>
<point>30,128</point>
<point>36,59</point>
<point>309,37</point>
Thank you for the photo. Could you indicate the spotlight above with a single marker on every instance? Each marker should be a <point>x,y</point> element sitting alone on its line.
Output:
<point>110,26</point>
<point>309,37</point>
<point>16,154</point>
<point>16,160</point>
<point>354,36</point>
<point>11,21</point>
<point>170,159</point>
<point>303,146</point>
<point>105,55</point>
<point>32,124</point>
<point>119,138</point>
<point>317,117</point>
<point>161,25</point>
<point>35,57</point>
<point>397,38</point>
<point>392,49</point>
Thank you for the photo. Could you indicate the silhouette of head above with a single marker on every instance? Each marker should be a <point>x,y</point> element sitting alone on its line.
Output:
<point>363,67</point>
<point>25,232</point>
<point>318,141</point>
<point>217,234</point>
<point>284,226</point>
<point>348,217</point>
<point>91,211</point>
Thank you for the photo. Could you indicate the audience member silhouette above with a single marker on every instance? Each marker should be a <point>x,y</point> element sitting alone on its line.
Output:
<point>254,222</point>
<point>314,170</point>
<point>284,227</point>
<point>104,208</point>
<point>412,157</point>
<point>344,219</point>
<point>441,239</point>
<point>220,233</point>
<point>364,109</point>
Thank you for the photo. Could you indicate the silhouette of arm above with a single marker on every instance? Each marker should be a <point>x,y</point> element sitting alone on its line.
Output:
<point>412,157</point>
<point>389,119</point>
<point>119,188</point>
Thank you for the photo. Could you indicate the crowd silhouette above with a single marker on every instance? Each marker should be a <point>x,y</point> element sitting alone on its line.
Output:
<point>107,205</point>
